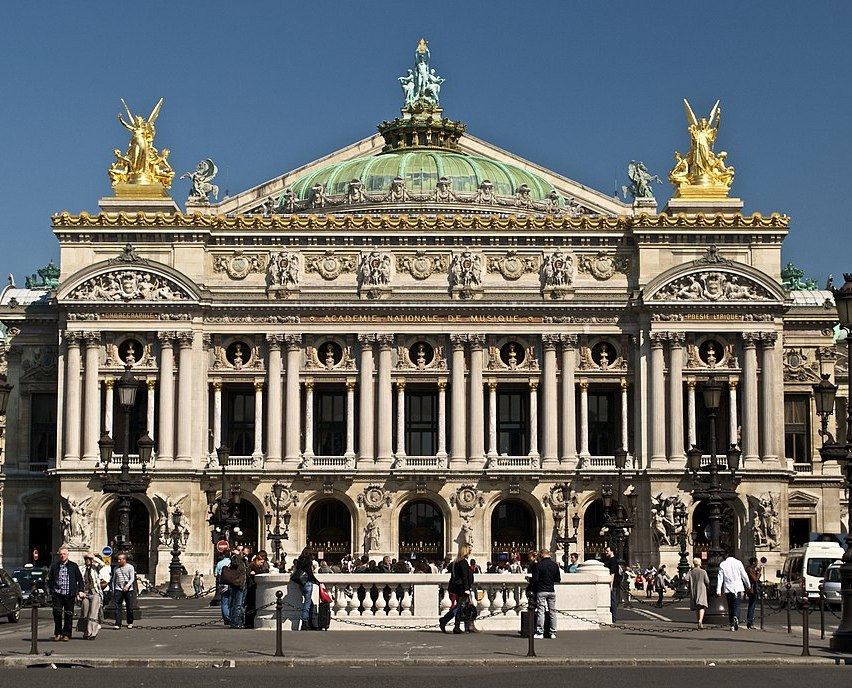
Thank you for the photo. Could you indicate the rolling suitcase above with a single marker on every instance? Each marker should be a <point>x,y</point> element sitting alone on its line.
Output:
<point>320,616</point>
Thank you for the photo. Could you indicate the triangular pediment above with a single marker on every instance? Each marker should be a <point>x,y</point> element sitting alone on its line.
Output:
<point>797,499</point>
<point>253,200</point>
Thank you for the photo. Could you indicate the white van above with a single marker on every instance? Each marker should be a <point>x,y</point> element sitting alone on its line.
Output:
<point>805,568</point>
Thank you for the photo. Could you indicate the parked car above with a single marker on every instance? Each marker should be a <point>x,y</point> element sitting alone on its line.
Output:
<point>805,567</point>
<point>831,584</point>
<point>29,577</point>
<point>11,597</point>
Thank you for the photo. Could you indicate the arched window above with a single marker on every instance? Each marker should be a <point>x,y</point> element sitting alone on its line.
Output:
<point>421,531</point>
<point>330,530</point>
<point>513,530</point>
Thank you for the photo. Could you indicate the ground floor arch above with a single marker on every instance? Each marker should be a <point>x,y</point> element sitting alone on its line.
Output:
<point>594,536</point>
<point>141,544</point>
<point>329,531</point>
<point>421,531</point>
<point>700,533</point>
<point>514,530</point>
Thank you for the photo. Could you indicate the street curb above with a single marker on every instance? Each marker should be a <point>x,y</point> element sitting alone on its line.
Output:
<point>195,663</point>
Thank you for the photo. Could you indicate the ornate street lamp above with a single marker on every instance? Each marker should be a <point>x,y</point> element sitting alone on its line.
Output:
<point>5,391</point>
<point>842,453</point>
<point>619,521</point>
<point>175,568</point>
<point>277,535</point>
<point>681,517</point>
<point>713,493</point>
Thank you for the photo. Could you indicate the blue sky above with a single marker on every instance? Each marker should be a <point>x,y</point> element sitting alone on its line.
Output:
<point>578,87</point>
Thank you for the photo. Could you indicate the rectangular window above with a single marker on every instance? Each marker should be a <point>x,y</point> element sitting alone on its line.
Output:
<point>329,421</point>
<point>421,422</point>
<point>238,425</point>
<point>604,418</point>
<point>138,421</point>
<point>42,430</point>
<point>797,427</point>
<point>512,415</point>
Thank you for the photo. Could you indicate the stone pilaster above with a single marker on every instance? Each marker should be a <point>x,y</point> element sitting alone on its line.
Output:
<point>166,440</point>
<point>751,453</point>
<point>92,397</point>
<point>366,425</point>
<point>184,396</point>
<point>569,433</point>
<point>549,449</point>
<point>274,420</point>
<point>458,457</point>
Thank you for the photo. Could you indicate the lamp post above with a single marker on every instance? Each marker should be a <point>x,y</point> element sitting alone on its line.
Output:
<point>832,450</point>
<point>5,392</point>
<point>681,518</point>
<point>713,492</point>
<point>569,499</point>
<point>125,485</point>
<point>277,535</point>
<point>619,521</point>
<point>175,568</point>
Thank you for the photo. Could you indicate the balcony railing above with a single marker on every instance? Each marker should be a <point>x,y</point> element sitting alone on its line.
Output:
<point>327,463</point>
<point>803,467</point>
<point>419,464</point>
<point>513,463</point>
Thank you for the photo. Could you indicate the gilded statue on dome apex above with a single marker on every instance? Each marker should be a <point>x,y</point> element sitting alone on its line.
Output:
<point>702,172</point>
<point>142,164</point>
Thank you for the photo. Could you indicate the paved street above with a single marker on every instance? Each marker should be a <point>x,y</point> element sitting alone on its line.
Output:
<point>189,633</point>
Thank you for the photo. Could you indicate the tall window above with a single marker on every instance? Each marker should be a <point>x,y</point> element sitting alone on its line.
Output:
<point>138,421</point>
<point>42,430</point>
<point>512,414</point>
<point>797,427</point>
<point>421,422</point>
<point>329,421</point>
<point>239,420</point>
<point>604,436</point>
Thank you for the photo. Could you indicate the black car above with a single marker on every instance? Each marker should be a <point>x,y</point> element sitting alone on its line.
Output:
<point>11,597</point>
<point>30,577</point>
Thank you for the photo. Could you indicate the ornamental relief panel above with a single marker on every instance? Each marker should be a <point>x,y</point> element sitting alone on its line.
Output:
<point>239,265</point>
<point>798,367</point>
<point>602,265</point>
<point>423,265</point>
<point>329,355</point>
<point>40,364</point>
<point>129,285</point>
<point>711,285</point>
<point>512,266</point>
<point>420,355</point>
<point>711,354</point>
<point>330,266</point>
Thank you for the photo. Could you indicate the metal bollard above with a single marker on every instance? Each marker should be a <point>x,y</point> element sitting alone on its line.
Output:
<point>821,613</point>
<point>806,608</point>
<point>279,623</point>
<point>33,625</point>
<point>789,620</point>
<point>531,624</point>
<point>761,606</point>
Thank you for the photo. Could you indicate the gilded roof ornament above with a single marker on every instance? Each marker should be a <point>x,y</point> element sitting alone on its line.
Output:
<point>702,174</point>
<point>142,172</point>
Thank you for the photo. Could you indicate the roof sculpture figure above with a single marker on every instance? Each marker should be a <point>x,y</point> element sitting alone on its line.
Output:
<point>702,173</point>
<point>142,165</point>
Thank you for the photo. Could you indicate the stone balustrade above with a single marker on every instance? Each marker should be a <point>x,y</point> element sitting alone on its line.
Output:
<point>386,601</point>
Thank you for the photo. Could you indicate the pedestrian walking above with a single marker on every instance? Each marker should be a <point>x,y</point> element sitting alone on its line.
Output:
<point>699,585</point>
<point>90,605</point>
<point>614,579</point>
<point>303,575</point>
<point>661,582</point>
<point>198,582</point>
<point>732,579</point>
<point>460,588</point>
<point>123,580</point>
<point>237,585</point>
<point>66,586</point>
<point>754,590</point>
<point>544,576</point>
<point>649,574</point>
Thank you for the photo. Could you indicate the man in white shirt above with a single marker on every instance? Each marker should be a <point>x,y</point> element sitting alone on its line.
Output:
<point>732,579</point>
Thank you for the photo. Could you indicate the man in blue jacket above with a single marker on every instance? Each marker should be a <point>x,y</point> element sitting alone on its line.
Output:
<point>545,575</point>
<point>66,587</point>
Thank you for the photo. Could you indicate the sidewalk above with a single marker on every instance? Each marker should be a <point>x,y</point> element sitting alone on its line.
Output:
<point>645,643</point>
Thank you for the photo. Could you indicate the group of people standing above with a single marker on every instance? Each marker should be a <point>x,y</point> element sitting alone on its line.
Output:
<point>69,584</point>
<point>235,575</point>
<point>735,581</point>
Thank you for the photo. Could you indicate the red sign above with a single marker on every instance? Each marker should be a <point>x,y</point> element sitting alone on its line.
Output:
<point>222,546</point>
<point>35,555</point>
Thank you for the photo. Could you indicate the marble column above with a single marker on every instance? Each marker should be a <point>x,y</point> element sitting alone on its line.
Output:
<point>292,415</point>
<point>309,418</point>
<point>533,452</point>
<point>217,414</point>
<point>768,382</point>
<point>350,418</point>
<point>569,421</point>
<point>458,458</point>
<point>151,386</point>
<point>676,448</point>
<point>492,419</point>
<point>692,437</point>
<point>442,419</point>
<point>166,440</point>
<point>258,420</point>
<point>274,420</point>
<point>733,427</point>
<point>384,405</point>
<point>584,419</point>
<point>475,394</point>
<point>549,449</point>
<point>657,410</point>
<point>751,453</point>
<point>92,397</point>
<point>184,396</point>
<point>73,397</point>
<point>624,425</point>
<point>400,419</point>
<point>109,387</point>
<point>365,398</point>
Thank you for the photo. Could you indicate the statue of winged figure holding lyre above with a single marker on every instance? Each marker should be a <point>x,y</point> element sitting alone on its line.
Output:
<point>142,164</point>
<point>702,167</point>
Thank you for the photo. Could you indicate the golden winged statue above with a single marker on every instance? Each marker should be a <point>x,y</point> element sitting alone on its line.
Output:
<point>142,164</point>
<point>702,172</point>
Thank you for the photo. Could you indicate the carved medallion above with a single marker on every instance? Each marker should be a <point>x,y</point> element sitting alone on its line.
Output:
<point>602,266</point>
<point>467,498</point>
<point>512,266</point>
<point>239,265</point>
<point>330,266</point>
<point>422,265</point>
<point>374,498</point>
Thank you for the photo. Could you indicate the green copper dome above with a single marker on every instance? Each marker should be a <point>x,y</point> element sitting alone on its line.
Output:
<point>421,169</point>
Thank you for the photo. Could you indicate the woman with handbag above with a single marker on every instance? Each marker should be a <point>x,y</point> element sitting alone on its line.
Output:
<point>461,588</point>
<point>303,575</point>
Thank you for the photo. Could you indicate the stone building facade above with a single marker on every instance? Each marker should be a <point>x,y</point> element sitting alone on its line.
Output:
<point>427,341</point>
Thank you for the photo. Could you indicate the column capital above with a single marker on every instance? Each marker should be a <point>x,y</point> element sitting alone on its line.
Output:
<point>206,339</point>
<point>569,341</point>
<point>750,339</point>
<point>768,339</point>
<point>386,341</point>
<point>166,337</point>
<point>258,385</point>
<point>366,339</point>
<point>293,341</point>
<point>584,385</point>
<point>458,341</point>
<point>151,383</point>
<point>72,337</point>
<point>274,341</point>
<point>442,385</point>
<point>400,385</point>
<point>309,385</point>
<point>690,384</point>
<point>92,338</point>
<point>216,385</point>
<point>623,384</point>
<point>109,382</point>
<point>733,382</point>
<point>657,339</point>
<point>549,341</point>
<point>185,339</point>
<point>476,340</point>
<point>533,385</point>
<point>492,385</point>
<point>676,339</point>
<point>350,385</point>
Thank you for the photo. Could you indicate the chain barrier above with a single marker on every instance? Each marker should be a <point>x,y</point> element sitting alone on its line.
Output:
<point>201,624</point>
<point>426,627</point>
<point>150,587</point>
<point>636,629</point>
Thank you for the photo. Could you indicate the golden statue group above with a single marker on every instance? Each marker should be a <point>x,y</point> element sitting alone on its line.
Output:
<point>702,173</point>
<point>142,165</point>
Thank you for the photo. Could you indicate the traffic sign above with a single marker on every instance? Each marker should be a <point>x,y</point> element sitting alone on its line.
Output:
<point>222,546</point>
<point>35,555</point>
<point>107,560</point>
<point>107,551</point>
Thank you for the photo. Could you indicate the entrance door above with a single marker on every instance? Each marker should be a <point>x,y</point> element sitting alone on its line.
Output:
<point>513,531</point>
<point>330,530</point>
<point>41,541</point>
<point>140,534</point>
<point>421,531</point>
